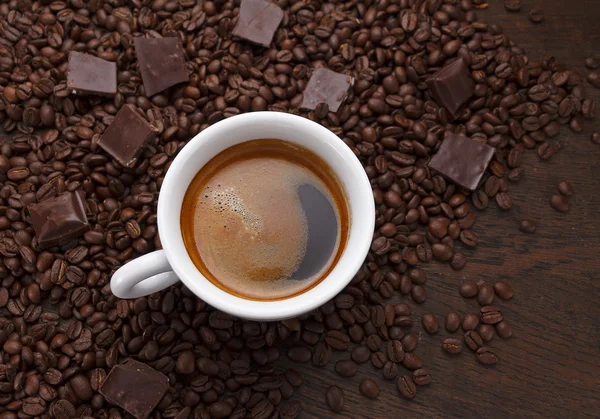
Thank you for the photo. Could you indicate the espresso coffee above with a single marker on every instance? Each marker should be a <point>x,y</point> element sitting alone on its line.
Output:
<point>265,220</point>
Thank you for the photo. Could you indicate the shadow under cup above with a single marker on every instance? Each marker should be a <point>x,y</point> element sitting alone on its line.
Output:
<point>296,130</point>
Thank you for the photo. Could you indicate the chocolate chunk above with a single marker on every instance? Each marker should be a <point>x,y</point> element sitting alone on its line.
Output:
<point>58,219</point>
<point>326,86</point>
<point>258,20</point>
<point>462,160</point>
<point>91,75</point>
<point>161,62</point>
<point>135,387</point>
<point>126,136</point>
<point>452,86</point>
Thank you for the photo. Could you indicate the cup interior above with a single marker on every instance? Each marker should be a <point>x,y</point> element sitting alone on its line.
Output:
<point>267,125</point>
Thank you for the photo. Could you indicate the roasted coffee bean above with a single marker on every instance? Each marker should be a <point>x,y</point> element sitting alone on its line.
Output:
<point>299,353</point>
<point>412,361</point>
<point>395,332</point>
<point>487,356</point>
<point>430,323</point>
<point>559,203</point>
<point>469,238</point>
<point>360,354</point>
<point>374,342</point>
<point>220,410</point>
<point>565,188</point>
<point>470,321</point>
<point>441,252</point>
<point>536,15</point>
<point>593,78</point>
<point>490,315</point>
<point>439,227</point>
<point>290,409</point>
<point>334,397</point>
<point>512,5</point>
<point>263,409</point>
<point>62,409</point>
<point>485,296</point>
<point>504,201</point>
<point>480,199</point>
<point>452,321</point>
<point>576,124</point>
<point>346,368</point>
<point>453,345</point>
<point>395,351</point>
<point>337,340</point>
<point>369,388</point>
<point>592,62</point>
<point>473,340</point>
<point>418,294</point>
<point>407,387</point>
<point>503,329</point>
<point>527,226</point>
<point>486,332</point>
<point>377,316</point>
<point>185,363</point>
<point>504,290</point>
<point>81,387</point>
<point>468,289</point>
<point>293,377</point>
<point>458,261</point>
<point>322,354</point>
<point>421,377</point>
<point>545,151</point>
<point>378,359</point>
<point>220,320</point>
<point>409,342</point>
<point>390,370</point>
<point>33,406</point>
<point>588,108</point>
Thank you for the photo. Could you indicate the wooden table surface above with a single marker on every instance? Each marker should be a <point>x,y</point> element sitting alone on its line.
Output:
<point>551,366</point>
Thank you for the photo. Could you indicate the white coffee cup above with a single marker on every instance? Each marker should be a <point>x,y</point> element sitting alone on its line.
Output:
<point>157,270</point>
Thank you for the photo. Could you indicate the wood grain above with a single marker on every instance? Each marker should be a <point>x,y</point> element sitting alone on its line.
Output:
<point>550,367</point>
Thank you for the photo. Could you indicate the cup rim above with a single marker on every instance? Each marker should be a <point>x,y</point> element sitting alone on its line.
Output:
<point>171,237</point>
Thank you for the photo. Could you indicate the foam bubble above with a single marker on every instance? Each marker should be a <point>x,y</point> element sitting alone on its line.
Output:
<point>227,201</point>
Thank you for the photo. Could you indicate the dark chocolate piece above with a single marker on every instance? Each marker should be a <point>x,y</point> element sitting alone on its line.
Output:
<point>462,160</point>
<point>326,86</point>
<point>91,75</point>
<point>58,219</point>
<point>258,20</point>
<point>126,136</point>
<point>135,387</point>
<point>161,62</point>
<point>451,87</point>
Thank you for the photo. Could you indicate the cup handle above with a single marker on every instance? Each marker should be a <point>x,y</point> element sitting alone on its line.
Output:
<point>143,276</point>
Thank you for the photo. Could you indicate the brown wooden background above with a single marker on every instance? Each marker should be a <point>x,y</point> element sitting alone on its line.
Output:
<point>550,367</point>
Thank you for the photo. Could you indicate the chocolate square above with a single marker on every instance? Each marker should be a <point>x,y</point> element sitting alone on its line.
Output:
<point>126,136</point>
<point>326,86</point>
<point>462,160</point>
<point>59,219</point>
<point>258,20</point>
<point>135,387</point>
<point>91,75</point>
<point>161,63</point>
<point>451,87</point>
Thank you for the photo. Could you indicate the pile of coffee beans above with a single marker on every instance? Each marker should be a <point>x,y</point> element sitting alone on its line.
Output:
<point>61,329</point>
<point>560,201</point>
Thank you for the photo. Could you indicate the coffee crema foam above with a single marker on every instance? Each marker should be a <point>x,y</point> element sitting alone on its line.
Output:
<point>251,227</point>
